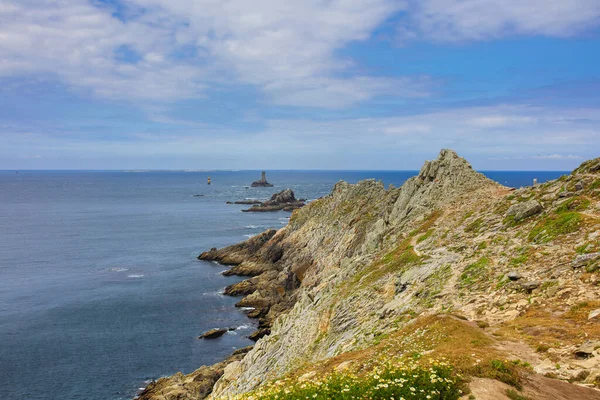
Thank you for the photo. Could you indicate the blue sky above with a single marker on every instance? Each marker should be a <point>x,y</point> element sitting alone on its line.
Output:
<point>312,84</point>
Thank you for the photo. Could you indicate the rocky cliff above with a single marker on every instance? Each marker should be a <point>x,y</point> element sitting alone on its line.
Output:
<point>450,266</point>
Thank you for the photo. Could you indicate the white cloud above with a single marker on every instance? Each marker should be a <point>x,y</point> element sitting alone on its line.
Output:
<point>386,143</point>
<point>179,48</point>
<point>467,20</point>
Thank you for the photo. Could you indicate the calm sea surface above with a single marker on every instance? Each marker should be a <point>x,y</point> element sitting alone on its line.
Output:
<point>100,289</point>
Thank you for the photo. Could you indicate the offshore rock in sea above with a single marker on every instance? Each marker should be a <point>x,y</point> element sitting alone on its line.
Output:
<point>284,200</point>
<point>262,182</point>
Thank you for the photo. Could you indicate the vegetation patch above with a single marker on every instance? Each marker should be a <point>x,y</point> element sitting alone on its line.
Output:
<point>575,204</point>
<point>474,226</point>
<point>543,325</point>
<point>392,381</point>
<point>425,236</point>
<point>473,272</point>
<point>513,395</point>
<point>551,227</point>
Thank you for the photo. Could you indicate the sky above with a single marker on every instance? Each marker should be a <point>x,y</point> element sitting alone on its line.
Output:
<point>298,84</point>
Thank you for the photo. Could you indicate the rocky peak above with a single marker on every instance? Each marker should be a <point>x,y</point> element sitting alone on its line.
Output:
<point>448,166</point>
<point>439,182</point>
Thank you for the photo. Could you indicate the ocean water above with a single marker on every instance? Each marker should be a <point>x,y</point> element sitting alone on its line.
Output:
<point>100,288</point>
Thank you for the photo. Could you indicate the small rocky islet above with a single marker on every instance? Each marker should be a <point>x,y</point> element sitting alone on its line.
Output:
<point>500,284</point>
<point>284,200</point>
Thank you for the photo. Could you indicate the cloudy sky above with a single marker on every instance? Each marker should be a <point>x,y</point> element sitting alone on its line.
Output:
<point>306,84</point>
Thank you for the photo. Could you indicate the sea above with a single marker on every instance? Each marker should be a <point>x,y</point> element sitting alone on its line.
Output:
<point>100,288</point>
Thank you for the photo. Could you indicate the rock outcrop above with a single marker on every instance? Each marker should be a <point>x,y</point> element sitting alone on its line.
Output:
<point>364,268</point>
<point>284,200</point>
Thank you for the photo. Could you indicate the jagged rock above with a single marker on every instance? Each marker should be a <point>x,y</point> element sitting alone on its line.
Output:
<point>565,193</point>
<point>524,210</point>
<point>585,259</point>
<point>213,333</point>
<point>530,286</point>
<point>514,276</point>
<point>242,288</point>
<point>241,351</point>
<point>579,186</point>
<point>197,385</point>
<point>235,254</point>
<point>260,333</point>
<point>587,348</point>
<point>284,200</point>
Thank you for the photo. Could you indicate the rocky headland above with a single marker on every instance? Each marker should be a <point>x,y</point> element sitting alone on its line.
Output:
<point>449,275</point>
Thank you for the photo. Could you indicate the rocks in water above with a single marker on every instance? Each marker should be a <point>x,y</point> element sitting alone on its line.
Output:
<point>587,349</point>
<point>235,254</point>
<point>524,210</point>
<point>262,182</point>
<point>197,385</point>
<point>259,334</point>
<point>213,333</point>
<point>248,202</point>
<point>284,200</point>
<point>585,260</point>
<point>514,276</point>
<point>198,195</point>
<point>242,288</point>
<point>243,350</point>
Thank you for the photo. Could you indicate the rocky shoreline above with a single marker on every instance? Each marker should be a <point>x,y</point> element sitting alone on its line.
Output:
<point>363,265</point>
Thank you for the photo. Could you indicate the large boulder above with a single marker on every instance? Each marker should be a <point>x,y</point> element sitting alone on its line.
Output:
<point>524,210</point>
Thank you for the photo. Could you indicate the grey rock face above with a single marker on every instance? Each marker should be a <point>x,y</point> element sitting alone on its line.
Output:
<point>585,259</point>
<point>524,210</point>
<point>514,276</point>
<point>579,186</point>
<point>530,286</point>
<point>587,348</point>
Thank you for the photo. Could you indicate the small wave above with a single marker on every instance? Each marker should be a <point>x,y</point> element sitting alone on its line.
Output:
<point>135,276</point>
<point>217,293</point>
<point>231,332</point>
<point>216,262</point>
<point>118,269</point>
<point>247,308</point>
<point>243,327</point>
<point>249,236</point>
<point>255,226</point>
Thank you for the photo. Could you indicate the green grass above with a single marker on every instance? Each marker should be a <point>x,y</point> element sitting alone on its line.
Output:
<point>482,246</point>
<point>595,185</point>
<point>473,272</point>
<point>474,226</point>
<point>521,259</point>
<point>438,382</point>
<point>513,395</point>
<point>574,204</point>
<point>426,236</point>
<point>553,226</point>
